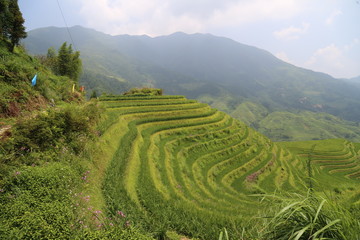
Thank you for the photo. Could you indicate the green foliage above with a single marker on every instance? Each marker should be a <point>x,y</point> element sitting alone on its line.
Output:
<point>305,125</point>
<point>11,22</point>
<point>311,218</point>
<point>68,63</point>
<point>37,202</point>
<point>144,92</point>
<point>64,63</point>
<point>93,94</point>
<point>43,156</point>
<point>17,94</point>
<point>55,128</point>
<point>224,235</point>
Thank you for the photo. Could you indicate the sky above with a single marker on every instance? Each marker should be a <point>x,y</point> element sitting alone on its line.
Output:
<point>321,35</point>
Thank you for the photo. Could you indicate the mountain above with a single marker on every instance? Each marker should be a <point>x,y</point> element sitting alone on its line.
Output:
<point>218,70</point>
<point>355,79</point>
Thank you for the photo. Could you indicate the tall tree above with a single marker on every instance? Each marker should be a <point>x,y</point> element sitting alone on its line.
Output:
<point>4,18</point>
<point>68,62</point>
<point>11,22</point>
<point>63,60</point>
<point>76,66</point>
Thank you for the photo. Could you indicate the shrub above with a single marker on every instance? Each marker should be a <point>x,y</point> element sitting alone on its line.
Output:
<point>144,92</point>
<point>54,128</point>
<point>37,203</point>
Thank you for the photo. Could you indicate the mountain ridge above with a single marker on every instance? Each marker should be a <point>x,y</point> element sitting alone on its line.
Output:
<point>199,65</point>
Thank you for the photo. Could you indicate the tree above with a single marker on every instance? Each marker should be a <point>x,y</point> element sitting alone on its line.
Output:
<point>68,62</point>
<point>63,60</point>
<point>93,94</point>
<point>11,22</point>
<point>75,67</point>
<point>50,59</point>
<point>4,18</point>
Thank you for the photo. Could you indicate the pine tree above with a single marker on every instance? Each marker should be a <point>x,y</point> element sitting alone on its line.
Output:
<point>51,59</point>
<point>4,19</point>
<point>75,68</point>
<point>68,62</point>
<point>63,60</point>
<point>16,29</point>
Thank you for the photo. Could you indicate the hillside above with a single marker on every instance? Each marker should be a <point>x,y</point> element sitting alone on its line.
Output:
<point>16,91</point>
<point>163,167</point>
<point>209,68</point>
<point>47,132</point>
<point>195,170</point>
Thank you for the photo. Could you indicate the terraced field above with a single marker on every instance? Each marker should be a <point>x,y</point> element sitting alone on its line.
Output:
<point>335,164</point>
<point>190,166</point>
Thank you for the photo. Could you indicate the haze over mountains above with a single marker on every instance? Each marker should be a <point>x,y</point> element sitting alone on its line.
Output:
<point>280,100</point>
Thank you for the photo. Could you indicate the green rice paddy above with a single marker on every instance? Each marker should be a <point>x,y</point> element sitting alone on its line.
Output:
<point>182,165</point>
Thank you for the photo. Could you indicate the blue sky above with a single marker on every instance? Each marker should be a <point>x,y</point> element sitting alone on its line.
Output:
<point>322,35</point>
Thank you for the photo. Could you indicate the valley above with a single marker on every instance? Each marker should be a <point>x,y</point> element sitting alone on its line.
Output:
<point>226,74</point>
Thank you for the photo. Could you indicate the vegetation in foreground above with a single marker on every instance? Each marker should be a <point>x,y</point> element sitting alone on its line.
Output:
<point>47,137</point>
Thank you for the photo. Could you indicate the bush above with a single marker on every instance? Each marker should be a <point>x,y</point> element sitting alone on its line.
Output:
<point>37,203</point>
<point>144,92</point>
<point>52,129</point>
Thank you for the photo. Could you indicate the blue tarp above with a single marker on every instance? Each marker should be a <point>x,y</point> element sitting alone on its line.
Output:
<point>33,81</point>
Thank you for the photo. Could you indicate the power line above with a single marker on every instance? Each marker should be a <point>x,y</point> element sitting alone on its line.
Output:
<point>62,14</point>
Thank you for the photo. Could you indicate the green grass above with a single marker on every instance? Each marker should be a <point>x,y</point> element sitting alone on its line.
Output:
<point>310,217</point>
<point>208,169</point>
<point>334,161</point>
<point>193,159</point>
<point>190,170</point>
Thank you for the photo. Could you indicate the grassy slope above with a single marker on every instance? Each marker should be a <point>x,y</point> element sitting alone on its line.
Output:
<point>49,166</point>
<point>181,166</point>
<point>281,125</point>
<point>286,126</point>
<point>335,166</point>
<point>17,95</point>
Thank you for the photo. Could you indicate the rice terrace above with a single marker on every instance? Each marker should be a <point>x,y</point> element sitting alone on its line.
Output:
<point>256,138</point>
<point>181,164</point>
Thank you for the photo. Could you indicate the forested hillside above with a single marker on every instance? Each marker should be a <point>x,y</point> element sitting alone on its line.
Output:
<point>215,70</point>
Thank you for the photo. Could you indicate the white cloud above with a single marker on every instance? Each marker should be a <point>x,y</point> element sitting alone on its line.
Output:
<point>291,33</point>
<point>243,12</point>
<point>335,61</point>
<point>332,17</point>
<point>325,57</point>
<point>158,17</point>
